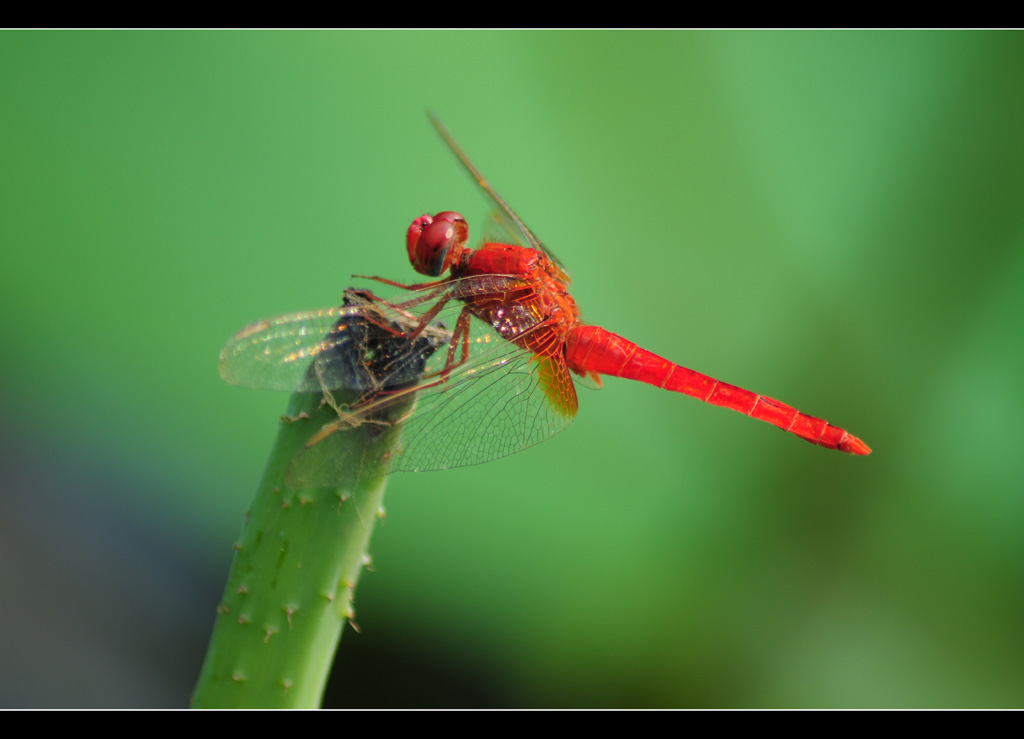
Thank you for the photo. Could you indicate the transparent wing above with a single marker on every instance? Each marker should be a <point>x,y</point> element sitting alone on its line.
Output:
<point>278,353</point>
<point>500,229</point>
<point>476,398</point>
<point>509,223</point>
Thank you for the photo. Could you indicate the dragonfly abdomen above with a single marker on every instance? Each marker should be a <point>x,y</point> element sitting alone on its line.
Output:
<point>593,349</point>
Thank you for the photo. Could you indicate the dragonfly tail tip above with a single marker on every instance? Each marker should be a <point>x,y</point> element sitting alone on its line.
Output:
<point>853,445</point>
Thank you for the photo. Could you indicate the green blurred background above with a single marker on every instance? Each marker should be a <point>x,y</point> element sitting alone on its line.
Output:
<point>833,219</point>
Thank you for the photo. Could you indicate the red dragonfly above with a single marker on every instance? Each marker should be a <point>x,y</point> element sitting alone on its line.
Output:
<point>490,350</point>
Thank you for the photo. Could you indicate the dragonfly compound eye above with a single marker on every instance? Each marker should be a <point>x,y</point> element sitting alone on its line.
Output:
<point>434,243</point>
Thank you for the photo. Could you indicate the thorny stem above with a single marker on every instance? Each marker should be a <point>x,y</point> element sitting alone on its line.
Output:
<point>290,590</point>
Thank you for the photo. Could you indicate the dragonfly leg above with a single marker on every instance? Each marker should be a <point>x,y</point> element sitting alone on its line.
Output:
<point>403,286</point>
<point>429,316</point>
<point>377,319</point>
<point>355,411</point>
<point>368,296</point>
<point>460,334</point>
<point>420,323</point>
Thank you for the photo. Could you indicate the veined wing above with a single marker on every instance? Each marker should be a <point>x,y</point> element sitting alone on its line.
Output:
<point>324,349</point>
<point>312,351</point>
<point>509,221</point>
<point>498,401</point>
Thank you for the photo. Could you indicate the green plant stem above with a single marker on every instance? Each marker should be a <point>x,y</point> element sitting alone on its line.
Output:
<point>290,590</point>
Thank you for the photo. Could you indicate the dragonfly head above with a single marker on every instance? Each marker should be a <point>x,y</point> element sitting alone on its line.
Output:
<point>435,242</point>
